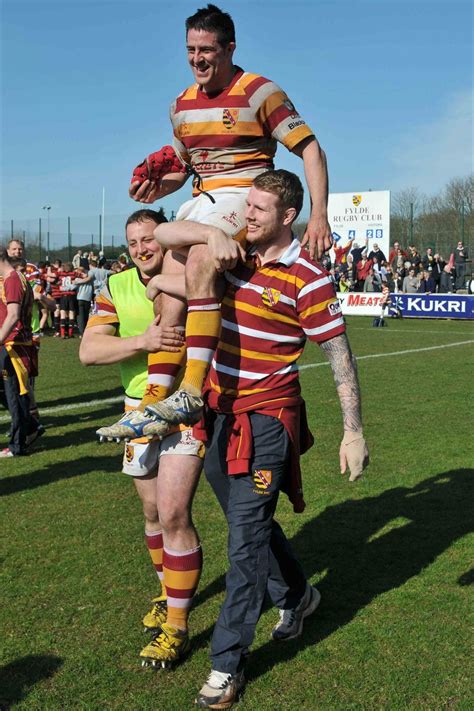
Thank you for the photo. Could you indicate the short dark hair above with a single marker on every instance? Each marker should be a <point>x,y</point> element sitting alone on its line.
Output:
<point>4,255</point>
<point>157,216</point>
<point>285,185</point>
<point>213,19</point>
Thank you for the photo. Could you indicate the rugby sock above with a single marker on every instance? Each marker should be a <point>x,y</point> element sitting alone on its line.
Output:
<point>182,570</point>
<point>203,327</point>
<point>70,328</point>
<point>154,543</point>
<point>55,323</point>
<point>62,327</point>
<point>163,367</point>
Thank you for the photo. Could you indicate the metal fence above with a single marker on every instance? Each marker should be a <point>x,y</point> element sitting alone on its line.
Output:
<point>50,237</point>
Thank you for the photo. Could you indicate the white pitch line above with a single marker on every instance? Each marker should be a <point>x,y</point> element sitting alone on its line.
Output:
<point>393,353</point>
<point>119,398</point>
<point>404,330</point>
<point>73,406</point>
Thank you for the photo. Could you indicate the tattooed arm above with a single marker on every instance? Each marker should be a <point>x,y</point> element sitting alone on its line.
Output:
<point>344,368</point>
<point>353,451</point>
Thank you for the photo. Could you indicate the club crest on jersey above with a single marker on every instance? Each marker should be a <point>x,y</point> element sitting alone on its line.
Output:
<point>356,199</point>
<point>230,117</point>
<point>270,297</point>
<point>262,478</point>
<point>287,103</point>
<point>129,453</point>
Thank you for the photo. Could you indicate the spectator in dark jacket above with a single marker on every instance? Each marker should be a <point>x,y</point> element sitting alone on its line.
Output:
<point>428,259</point>
<point>427,284</point>
<point>356,254</point>
<point>377,252</point>
<point>437,269</point>
<point>460,259</point>
<point>446,284</point>
<point>414,258</point>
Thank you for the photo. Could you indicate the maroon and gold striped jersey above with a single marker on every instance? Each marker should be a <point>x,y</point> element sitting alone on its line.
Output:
<point>230,137</point>
<point>14,289</point>
<point>268,312</point>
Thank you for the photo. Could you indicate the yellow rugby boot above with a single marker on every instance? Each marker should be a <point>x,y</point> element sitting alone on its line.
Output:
<point>157,615</point>
<point>167,648</point>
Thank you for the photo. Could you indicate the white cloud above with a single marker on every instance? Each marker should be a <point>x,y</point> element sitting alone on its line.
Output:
<point>434,153</point>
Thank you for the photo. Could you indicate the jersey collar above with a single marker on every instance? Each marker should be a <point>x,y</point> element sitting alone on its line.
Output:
<point>289,256</point>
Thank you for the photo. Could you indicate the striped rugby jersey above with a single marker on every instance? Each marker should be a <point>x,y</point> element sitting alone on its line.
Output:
<point>231,137</point>
<point>268,313</point>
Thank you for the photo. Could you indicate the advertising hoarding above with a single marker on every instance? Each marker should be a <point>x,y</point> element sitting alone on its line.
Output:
<point>409,305</point>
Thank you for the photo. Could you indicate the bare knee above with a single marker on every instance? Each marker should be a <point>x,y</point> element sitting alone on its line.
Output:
<point>146,489</point>
<point>150,513</point>
<point>173,520</point>
<point>201,275</point>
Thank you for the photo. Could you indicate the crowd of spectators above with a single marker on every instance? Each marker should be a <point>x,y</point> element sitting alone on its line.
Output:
<point>64,291</point>
<point>69,289</point>
<point>358,268</point>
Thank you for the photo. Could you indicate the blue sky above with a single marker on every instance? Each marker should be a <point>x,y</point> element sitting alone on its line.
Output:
<point>86,86</point>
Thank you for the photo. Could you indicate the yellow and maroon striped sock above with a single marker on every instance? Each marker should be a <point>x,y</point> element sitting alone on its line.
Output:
<point>154,543</point>
<point>182,570</point>
<point>203,327</point>
<point>163,368</point>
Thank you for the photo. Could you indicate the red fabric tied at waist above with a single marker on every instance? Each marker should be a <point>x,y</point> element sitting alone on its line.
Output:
<point>240,443</point>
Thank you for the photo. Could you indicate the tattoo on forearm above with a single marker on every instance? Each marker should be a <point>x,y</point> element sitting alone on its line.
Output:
<point>344,368</point>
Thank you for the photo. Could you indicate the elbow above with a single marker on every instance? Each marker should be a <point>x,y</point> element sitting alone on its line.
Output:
<point>85,359</point>
<point>160,235</point>
<point>86,355</point>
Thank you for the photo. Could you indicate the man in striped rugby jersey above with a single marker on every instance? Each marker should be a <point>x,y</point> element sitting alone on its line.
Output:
<point>255,424</point>
<point>226,130</point>
<point>18,355</point>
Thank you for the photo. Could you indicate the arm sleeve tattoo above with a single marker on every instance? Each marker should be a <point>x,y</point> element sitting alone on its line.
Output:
<point>344,368</point>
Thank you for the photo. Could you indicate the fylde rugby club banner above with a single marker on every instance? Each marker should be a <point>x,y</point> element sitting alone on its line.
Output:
<point>358,217</point>
<point>409,305</point>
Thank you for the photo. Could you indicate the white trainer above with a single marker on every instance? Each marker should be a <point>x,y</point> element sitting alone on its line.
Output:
<point>290,624</point>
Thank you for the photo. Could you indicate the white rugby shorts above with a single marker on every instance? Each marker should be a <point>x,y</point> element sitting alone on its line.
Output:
<point>142,458</point>
<point>227,213</point>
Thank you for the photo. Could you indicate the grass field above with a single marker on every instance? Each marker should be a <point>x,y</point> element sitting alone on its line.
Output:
<point>391,554</point>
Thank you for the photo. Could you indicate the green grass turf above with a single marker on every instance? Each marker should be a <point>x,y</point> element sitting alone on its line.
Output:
<point>390,554</point>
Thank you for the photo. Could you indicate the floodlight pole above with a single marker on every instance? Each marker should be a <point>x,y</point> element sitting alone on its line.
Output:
<point>102,222</point>
<point>48,209</point>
